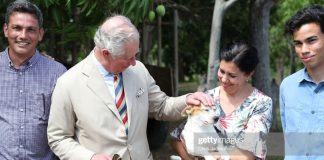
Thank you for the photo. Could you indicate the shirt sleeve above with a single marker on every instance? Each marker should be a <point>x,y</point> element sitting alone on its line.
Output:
<point>257,128</point>
<point>282,108</point>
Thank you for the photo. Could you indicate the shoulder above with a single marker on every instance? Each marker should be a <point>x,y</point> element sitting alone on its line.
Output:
<point>51,64</point>
<point>139,66</point>
<point>213,92</point>
<point>2,57</point>
<point>139,69</point>
<point>2,54</point>
<point>73,72</point>
<point>293,78</point>
<point>260,96</point>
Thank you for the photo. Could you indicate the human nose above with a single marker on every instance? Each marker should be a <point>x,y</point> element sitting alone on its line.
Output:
<point>23,34</point>
<point>305,49</point>
<point>224,78</point>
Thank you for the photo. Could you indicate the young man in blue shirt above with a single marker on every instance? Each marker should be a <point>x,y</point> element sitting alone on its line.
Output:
<point>302,93</point>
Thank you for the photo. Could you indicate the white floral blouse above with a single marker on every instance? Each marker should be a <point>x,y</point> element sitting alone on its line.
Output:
<point>250,122</point>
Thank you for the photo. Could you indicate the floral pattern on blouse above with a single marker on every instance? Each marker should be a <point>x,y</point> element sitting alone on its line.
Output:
<point>250,122</point>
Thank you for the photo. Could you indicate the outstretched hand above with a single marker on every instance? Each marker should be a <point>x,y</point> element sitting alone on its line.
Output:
<point>199,97</point>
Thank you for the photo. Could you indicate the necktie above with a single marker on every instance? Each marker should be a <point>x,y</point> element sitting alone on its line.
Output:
<point>120,99</point>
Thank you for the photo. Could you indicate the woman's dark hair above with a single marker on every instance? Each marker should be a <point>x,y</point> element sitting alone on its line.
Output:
<point>244,56</point>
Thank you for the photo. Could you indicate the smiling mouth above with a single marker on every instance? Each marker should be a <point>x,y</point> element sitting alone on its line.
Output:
<point>225,85</point>
<point>22,44</point>
<point>305,59</point>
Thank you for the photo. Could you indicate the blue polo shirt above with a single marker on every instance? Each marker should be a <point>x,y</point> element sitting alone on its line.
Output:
<point>302,116</point>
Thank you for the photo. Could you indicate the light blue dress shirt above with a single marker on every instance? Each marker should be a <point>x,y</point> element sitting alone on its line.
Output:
<point>302,116</point>
<point>108,77</point>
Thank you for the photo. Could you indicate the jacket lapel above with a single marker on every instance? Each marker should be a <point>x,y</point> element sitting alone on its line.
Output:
<point>130,92</point>
<point>97,85</point>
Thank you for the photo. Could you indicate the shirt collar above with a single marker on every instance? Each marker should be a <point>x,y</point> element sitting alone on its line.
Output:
<point>28,63</point>
<point>101,69</point>
<point>304,76</point>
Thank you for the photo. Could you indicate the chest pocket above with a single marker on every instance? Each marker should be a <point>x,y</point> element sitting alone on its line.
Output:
<point>41,103</point>
<point>295,116</point>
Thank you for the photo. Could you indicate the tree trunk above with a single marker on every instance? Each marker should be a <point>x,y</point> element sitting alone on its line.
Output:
<point>176,55</point>
<point>259,18</point>
<point>159,56</point>
<point>214,44</point>
<point>292,63</point>
<point>280,68</point>
<point>259,23</point>
<point>146,41</point>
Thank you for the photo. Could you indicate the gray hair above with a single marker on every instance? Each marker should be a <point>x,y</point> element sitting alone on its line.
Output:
<point>115,38</point>
<point>24,6</point>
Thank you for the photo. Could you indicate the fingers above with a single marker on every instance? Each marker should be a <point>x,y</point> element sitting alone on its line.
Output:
<point>199,97</point>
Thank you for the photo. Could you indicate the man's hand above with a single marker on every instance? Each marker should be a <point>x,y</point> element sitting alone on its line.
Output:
<point>199,97</point>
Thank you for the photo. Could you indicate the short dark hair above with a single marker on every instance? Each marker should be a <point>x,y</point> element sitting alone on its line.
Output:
<point>310,14</point>
<point>24,6</point>
<point>244,56</point>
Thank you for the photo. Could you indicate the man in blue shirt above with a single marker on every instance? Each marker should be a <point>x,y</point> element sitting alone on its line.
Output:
<point>302,93</point>
<point>27,80</point>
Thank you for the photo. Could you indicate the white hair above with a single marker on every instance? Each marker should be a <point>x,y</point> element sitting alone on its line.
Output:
<point>115,38</point>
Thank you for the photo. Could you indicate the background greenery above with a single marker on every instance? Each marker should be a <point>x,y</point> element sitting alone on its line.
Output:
<point>70,26</point>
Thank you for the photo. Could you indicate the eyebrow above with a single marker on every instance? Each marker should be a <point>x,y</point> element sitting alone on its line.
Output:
<point>308,38</point>
<point>231,73</point>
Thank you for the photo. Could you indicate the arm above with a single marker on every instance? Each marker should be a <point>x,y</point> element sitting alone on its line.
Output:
<point>179,147</point>
<point>257,127</point>
<point>282,107</point>
<point>238,154</point>
<point>61,128</point>
<point>163,107</point>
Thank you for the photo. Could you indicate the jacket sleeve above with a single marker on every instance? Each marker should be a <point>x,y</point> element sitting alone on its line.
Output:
<point>161,106</point>
<point>61,127</point>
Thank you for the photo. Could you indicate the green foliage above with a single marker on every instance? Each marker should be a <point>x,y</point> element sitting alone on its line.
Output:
<point>3,6</point>
<point>151,16</point>
<point>193,34</point>
<point>236,23</point>
<point>70,24</point>
<point>281,44</point>
<point>160,10</point>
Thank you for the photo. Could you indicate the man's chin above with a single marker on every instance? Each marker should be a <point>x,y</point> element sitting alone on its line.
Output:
<point>23,51</point>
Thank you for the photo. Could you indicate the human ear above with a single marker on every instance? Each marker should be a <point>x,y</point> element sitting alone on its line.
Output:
<point>5,29</point>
